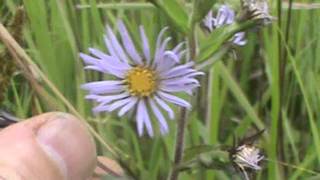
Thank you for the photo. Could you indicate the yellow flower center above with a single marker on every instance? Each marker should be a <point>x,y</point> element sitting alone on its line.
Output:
<point>141,81</point>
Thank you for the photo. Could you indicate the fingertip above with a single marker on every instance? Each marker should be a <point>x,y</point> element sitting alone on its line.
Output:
<point>67,141</point>
<point>54,144</point>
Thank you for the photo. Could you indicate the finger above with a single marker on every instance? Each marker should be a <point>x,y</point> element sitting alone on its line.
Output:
<point>49,146</point>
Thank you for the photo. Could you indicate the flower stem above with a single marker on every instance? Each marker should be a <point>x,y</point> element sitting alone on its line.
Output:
<point>181,126</point>
<point>179,143</point>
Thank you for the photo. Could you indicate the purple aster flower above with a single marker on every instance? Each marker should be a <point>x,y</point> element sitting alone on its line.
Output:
<point>143,82</point>
<point>225,16</point>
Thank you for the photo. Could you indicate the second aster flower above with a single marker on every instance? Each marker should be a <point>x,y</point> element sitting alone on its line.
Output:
<point>225,16</point>
<point>143,82</point>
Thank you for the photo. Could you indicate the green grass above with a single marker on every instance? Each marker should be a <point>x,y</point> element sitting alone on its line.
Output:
<point>241,95</point>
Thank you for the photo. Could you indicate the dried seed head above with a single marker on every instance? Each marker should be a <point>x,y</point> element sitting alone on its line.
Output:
<point>17,24</point>
<point>8,66</point>
<point>248,157</point>
<point>245,156</point>
<point>257,10</point>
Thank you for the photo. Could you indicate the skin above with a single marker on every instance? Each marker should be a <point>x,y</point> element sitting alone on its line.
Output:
<point>51,146</point>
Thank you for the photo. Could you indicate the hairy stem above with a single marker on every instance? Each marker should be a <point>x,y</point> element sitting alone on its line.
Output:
<point>181,126</point>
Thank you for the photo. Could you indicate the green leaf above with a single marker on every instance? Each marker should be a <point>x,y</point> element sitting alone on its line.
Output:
<point>204,156</point>
<point>201,9</point>
<point>239,95</point>
<point>218,37</point>
<point>175,12</point>
<point>192,152</point>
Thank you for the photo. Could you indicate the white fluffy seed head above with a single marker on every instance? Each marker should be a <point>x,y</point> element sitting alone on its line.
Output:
<point>248,157</point>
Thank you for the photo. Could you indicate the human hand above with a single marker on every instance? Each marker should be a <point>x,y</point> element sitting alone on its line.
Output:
<point>51,146</point>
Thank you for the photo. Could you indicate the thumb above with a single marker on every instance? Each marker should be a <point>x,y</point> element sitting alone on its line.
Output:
<point>50,146</point>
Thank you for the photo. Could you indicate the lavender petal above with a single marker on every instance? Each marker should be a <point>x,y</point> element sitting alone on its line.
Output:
<point>175,70</point>
<point>92,62</point>
<point>180,73</point>
<point>147,120</point>
<point>179,88</point>
<point>163,123</point>
<point>168,62</point>
<point>128,106</point>
<point>179,81</point>
<point>160,52</point>
<point>116,45</point>
<point>106,106</point>
<point>209,21</point>
<point>175,100</point>
<point>102,66</point>
<point>99,87</point>
<point>118,104</point>
<point>128,44</point>
<point>144,117</point>
<point>108,61</point>
<point>239,39</point>
<point>140,118</point>
<point>165,107</point>
<point>158,43</point>
<point>178,47</point>
<point>103,100</point>
<point>225,16</point>
<point>145,45</point>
